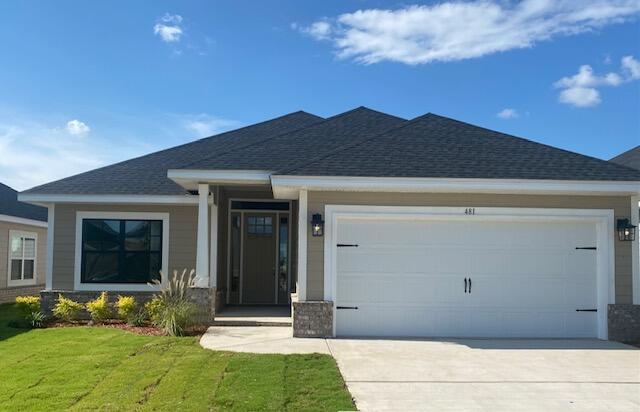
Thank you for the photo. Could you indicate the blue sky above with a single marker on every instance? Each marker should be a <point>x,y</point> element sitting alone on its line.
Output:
<point>84,84</point>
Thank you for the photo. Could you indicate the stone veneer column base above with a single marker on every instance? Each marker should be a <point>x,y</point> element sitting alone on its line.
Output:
<point>624,323</point>
<point>204,298</point>
<point>312,319</point>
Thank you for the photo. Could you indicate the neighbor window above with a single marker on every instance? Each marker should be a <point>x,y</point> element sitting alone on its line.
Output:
<point>22,258</point>
<point>121,251</point>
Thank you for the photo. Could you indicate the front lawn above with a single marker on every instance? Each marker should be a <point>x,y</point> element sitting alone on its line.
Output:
<point>98,368</point>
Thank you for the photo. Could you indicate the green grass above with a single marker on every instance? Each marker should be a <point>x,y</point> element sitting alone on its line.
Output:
<point>83,368</point>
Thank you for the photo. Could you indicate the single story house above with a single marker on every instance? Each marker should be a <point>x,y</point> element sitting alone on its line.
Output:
<point>23,246</point>
<point>367,224</point>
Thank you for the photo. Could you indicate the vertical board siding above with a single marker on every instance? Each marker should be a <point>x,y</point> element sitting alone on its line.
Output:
<point>621,205</point>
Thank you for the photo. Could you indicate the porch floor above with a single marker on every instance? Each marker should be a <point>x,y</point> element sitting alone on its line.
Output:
<point>254,316</point>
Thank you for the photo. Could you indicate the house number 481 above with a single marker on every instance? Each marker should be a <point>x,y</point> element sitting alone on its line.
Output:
<point>470,211</point>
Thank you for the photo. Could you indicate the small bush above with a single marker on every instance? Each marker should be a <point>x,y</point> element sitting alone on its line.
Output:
<point>28,304</point>
<point>99,308</point>
<point>66,309</point>
<point>35,319</point>
<point>171,309</point>
<point>126,306</point>
<point>138,318</point>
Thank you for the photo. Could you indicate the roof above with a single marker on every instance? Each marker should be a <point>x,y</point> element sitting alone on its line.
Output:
<point>439,147</point>
<point>9,205</point>
<point>301,146</point>
<point>148,174</point>
<point>360,142</point>
<point>630,158</point>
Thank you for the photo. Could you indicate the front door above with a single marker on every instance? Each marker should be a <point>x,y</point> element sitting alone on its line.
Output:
<point>259,258</point>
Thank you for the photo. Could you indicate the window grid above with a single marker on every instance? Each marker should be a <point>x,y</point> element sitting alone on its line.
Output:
<point>260,225</point>
<point>22,257</point>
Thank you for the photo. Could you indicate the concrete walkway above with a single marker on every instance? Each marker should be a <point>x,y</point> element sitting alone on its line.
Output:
<point>464,374</point>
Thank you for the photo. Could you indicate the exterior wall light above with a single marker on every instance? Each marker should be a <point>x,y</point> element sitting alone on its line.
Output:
<point>317,225</point>
<point>626,231</point>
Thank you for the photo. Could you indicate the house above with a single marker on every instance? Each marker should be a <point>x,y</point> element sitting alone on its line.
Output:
<point>23,251</point>
<point>630,158</point>
<point>367,224</point>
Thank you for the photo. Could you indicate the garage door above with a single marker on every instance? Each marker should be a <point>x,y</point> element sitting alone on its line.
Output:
<point>431,278</point>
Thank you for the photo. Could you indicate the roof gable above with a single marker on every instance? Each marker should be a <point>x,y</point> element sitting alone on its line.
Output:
<point>439,147</point>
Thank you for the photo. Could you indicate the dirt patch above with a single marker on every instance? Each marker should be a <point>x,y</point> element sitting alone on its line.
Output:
<point>146,330</point>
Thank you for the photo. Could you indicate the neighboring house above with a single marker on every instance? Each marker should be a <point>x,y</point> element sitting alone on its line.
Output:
<point>378,226</point>
<point>23,241</point>
<point>630,158</point>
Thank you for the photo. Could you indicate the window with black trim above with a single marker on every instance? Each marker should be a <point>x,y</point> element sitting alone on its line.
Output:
<point>121,251</point>
<point>260,225</point>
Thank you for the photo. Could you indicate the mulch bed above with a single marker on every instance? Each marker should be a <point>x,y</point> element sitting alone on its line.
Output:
<point>196,330</point>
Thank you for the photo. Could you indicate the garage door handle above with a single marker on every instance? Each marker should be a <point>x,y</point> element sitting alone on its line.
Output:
<point>469,285</point>
<point>586,310</point>
<point>347,307</point>
<point>465,285</point>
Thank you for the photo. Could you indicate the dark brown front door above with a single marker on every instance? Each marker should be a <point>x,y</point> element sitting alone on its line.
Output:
<point>259,258</point>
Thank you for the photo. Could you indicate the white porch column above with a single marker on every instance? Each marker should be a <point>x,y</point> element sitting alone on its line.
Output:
<point>48,277</point>
<point>213,261</point>
<point>301,288</point>
<point>202,250</point>
<point>635,251</point>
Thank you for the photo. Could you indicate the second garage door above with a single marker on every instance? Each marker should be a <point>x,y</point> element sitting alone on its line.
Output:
<point>439,278</point>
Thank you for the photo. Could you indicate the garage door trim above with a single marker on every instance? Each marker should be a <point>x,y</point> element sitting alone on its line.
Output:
<point>602,218</point>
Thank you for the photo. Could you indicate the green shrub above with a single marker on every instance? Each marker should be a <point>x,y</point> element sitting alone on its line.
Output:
<point>171,309</point>
<point>66,309</point>
<point>35,319</point>
<point>126,306</point>
<point>28,304</point>
<point>99,308</point>
<point>138,318</point>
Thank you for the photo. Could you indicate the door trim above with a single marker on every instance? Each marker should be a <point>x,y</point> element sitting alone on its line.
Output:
<point>602,218</point>
<point>278,213</point>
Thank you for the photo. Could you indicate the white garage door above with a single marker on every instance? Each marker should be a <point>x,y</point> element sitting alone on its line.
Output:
<point>461,279</point>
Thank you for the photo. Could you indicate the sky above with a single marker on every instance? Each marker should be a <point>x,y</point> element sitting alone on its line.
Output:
<point>86,84</point>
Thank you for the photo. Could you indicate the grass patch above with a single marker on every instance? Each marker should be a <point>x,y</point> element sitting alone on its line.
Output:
<point>106,369</point>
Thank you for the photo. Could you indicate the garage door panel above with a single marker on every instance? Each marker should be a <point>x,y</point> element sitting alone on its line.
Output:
<point>407,279</point>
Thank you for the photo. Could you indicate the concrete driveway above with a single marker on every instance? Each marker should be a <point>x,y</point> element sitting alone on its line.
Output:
<point>489,375</point>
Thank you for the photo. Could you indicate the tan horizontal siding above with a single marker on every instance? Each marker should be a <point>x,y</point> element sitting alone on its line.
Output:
<point>621,206</point>
<point>183,221</point>
<point>41,250</point>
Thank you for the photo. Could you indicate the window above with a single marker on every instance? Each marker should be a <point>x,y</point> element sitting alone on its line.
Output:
<point>121,251</point>
<point>22,258</point>
<point>256,205</point>
<point>262,225</point>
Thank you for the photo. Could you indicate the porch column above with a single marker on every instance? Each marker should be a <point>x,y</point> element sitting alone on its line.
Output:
<point>48,276</point>
<point>202,250</point>
<point>635,251</point>
<point>213,261</point>
<point>301,288</point>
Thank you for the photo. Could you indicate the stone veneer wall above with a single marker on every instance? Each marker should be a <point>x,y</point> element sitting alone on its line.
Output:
<point>624,323</point>
<point>204,298</point>
<point>312,319</point>
<point>9,295</point>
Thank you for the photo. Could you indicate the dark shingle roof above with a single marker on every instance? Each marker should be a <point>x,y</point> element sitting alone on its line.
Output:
<point>436,146</point>
<point>9,205</point>
<point>148,174</point>
<point>304,145</point>
<point>630,158</point>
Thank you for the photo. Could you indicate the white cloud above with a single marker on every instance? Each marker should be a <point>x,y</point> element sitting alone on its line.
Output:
<point>204,125</point>
<point>33,153</point>
<point>170,28</point>
<point>581,89</point>
<point>508,113</point>
<point>454,30</point>
<point>631,67</point>
<point>77,128</point>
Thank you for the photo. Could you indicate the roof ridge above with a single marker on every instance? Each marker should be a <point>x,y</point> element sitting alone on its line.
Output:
<point>254,143</point>
<point>525,140</point>
<point>176,147</point>
<point>351,145</point>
